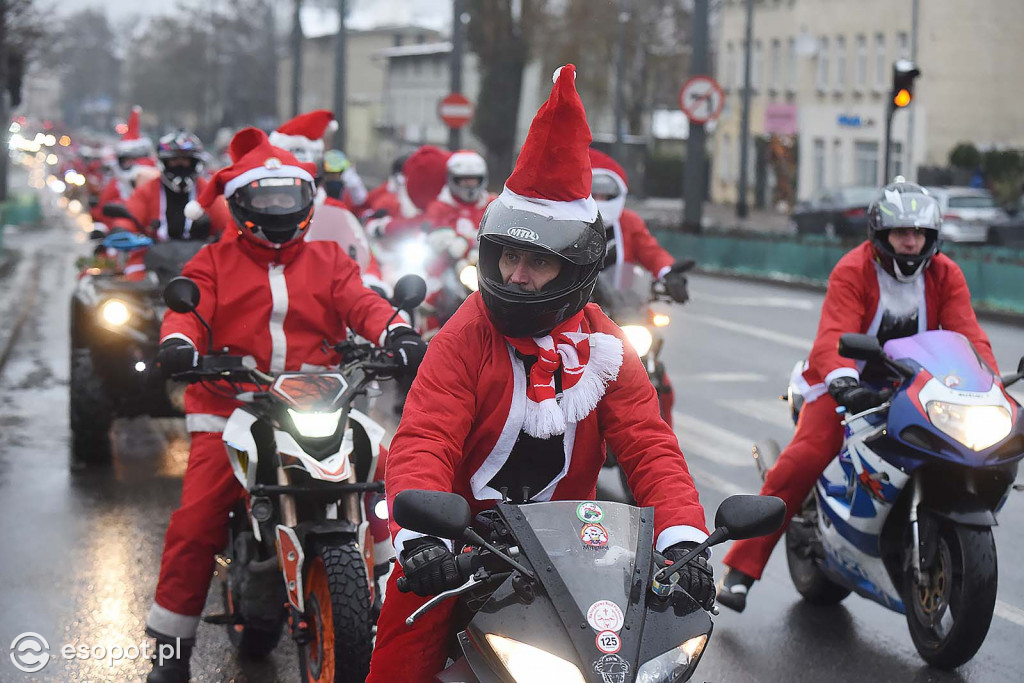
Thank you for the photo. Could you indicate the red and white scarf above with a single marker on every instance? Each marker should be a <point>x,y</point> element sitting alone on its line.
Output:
<point>588,360</point>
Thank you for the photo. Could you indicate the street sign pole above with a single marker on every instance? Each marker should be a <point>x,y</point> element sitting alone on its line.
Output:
<point>455,85</point>
<point>695,169</point>
<point>741,200</point>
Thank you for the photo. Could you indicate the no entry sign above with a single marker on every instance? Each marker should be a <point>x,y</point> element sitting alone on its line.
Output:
<point>455,110</point>
<point>701,99</point>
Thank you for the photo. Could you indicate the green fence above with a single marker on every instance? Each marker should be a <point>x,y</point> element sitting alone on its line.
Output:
<point>995,275</point>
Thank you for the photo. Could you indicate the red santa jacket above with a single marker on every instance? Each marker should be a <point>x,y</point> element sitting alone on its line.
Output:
<point>275,305</point>
<point>634,243</point>
<point>147,205</point>
<point>448,212</point>
<point>860,292</point>
<point>466,409</point>
<point>111,192</point>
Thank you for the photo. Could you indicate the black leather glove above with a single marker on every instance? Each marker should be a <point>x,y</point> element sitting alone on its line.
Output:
<point>848,393</point>
<point>429,567</point>
<point>176,355</point>
<point>675,281</point>
<point>696,578</point>
<point>408,347</point>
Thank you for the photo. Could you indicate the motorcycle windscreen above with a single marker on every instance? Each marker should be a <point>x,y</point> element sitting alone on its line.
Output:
<point>334,224</point>
<point>623,290</point>
<point>947,356</point>
<point>310,392</point>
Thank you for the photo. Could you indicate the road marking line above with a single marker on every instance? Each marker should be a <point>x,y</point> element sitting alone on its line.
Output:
<point>770,411</point>
<point>1009,612</point>
<point>719,377</point>
<point>712,443</point>
<point>755,301</point>
<point>789,340</point>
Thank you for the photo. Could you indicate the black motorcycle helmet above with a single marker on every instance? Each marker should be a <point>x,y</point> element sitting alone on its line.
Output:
<point>579,244</point>
<point>275,211</point>
<point>180,156</point>
<point>904,205</point>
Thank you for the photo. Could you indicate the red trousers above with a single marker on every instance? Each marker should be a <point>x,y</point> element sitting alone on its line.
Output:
<point>410,654</point>
<point>818,438</point>
<point>199,527</point>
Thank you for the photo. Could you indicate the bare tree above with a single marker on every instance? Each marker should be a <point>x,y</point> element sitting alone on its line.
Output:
<point>21,32</point>
<point>90,71</point>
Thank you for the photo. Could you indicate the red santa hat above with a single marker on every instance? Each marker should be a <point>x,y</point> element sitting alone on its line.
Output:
<point>552,174</point>
<point>132,143</point>
<point>304,134</point>
<point>426,174</point>
<point>253,158</point>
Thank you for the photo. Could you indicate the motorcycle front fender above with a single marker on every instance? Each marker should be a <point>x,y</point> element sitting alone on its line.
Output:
<point>968,511</point>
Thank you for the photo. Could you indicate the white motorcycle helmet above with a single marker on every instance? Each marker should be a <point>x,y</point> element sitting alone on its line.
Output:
<point>467,176</point>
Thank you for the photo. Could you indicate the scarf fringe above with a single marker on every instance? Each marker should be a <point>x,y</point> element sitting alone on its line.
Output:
<point>549,417</point>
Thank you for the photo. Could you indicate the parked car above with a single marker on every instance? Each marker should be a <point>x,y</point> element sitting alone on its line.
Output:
<point>967,213</point>
<point>840,212</point>
<point>1009,232</point>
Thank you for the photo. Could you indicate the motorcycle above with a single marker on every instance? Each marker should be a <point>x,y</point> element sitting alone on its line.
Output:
<point>302,547</point>
<point>115,332</point>
<point>549,601</point>
<point>903,515</point>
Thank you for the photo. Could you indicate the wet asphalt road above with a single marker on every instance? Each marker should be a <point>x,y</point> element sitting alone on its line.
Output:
<point>81,546</point>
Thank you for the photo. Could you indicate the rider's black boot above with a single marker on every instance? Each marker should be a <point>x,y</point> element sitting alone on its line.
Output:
<point>170,661</point>
<point>732,591</point>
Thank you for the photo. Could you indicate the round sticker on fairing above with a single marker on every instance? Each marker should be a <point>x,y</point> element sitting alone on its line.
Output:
<point>604,615</point>
<point>608,642</point>
<point>594,536</point>
<point>589,512</point>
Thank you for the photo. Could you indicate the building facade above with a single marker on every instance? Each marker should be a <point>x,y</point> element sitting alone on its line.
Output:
<point>821,74</point>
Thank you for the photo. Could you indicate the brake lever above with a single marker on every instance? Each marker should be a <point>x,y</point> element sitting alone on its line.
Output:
<point>471,583</point>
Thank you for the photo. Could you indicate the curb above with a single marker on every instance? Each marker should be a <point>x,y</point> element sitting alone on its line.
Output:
<point>22,310</point>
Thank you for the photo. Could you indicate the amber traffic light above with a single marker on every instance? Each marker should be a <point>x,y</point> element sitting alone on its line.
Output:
<point>904,73</point>
<point>902,98</point>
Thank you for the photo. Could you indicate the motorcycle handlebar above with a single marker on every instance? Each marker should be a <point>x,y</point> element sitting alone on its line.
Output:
<point>465,562</point>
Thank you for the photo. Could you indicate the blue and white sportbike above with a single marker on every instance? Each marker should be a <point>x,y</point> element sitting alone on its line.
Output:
<point>904,515</point>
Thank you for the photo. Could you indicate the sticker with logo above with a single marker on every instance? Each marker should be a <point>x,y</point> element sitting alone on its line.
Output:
<point>613,669</point>
<point>604,615</point>
<point>608,642</point>
<point>524,234</point>
<point>590,512</point>
<point>594,536</point>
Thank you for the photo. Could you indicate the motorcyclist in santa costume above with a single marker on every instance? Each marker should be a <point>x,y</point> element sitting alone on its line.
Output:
<point>895,284</point>
<point>522,387</point>
<point>401,213</point>
<point>462,201</point>
<point>386,194</point>
<point>275,297</point>
<point>131,150</point>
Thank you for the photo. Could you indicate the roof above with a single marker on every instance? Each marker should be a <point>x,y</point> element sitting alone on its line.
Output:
<point>415,50</point>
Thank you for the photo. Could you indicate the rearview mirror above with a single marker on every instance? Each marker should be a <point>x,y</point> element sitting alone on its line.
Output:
<point>410,291</point>
<point>181,295</point>
<point>445,515</point>
<point>860,347</point>
<point>746,516</point>
<point>117,211</point>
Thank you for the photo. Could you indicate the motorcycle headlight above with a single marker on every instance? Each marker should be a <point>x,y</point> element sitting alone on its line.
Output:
<point>526,663</point>
<point>640,337</point>
<point>661,319</point>
<point>115,312</point>
<point>468,277</point>
<point>315,425</point>
<point>976,427</point>
<point>381,509</point>
<point>674,664</point>
<point>413,256</point>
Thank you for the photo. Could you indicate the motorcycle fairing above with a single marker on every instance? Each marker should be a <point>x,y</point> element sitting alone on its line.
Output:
<point>333,468</point>
<point>291,558</point>
<point>241,447</point>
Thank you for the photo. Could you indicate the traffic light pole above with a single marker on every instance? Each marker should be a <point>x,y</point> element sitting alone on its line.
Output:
<point>889,111</point>
<point>455,69</point>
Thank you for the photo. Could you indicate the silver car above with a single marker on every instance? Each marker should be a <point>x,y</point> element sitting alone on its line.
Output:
<point>967,213</point>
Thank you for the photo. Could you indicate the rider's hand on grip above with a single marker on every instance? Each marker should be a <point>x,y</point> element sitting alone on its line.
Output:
<point>696,578</point>
<point>848,393</point>
<point>676,282</point>
<point>408,347</point>
<point>429,567</point>
<point>176,355</point>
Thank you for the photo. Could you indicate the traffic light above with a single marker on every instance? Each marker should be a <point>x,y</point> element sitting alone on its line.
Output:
<point>904,73</point>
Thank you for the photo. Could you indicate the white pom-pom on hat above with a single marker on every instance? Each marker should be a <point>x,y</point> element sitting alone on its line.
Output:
<point>194,210</point>
<point>333,125</point>
<point>554,76</point>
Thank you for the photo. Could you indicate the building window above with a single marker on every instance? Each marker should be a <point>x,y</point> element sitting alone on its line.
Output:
<point>818,164</point>
<point>757,77</point>
<point>823,48</point>
<point>902,46</point>
<point>730,65</point>
<point>837,163</point>
<point>775,57</point>
<point>880,63</point>
<point>791,63</point>
<point>840,62</point>
<point>865,163</point>
<point>861,67</point>
<point>897,160</point>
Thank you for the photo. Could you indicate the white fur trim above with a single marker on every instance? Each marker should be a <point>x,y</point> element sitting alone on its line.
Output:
<point>841,372</point>
<point>404,536</point>
<point>679,534</point>
<point>203,422</point>
<point>194,210</point>
<point>576,210</point>
<point>296,143</point>
<point>498,456</point>
<point>171,624</point>
<point>392,326</point>
<point>261,172</point>
<point>664,271</point>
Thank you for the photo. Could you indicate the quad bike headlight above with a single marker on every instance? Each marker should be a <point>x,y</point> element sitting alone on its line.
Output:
<point>674,664</point>
<point>640,337</point>
<point>976,427</point>
<point>468,277</point>
<point>115,312</point>
<point>526,663</point>
<point>315,425</point>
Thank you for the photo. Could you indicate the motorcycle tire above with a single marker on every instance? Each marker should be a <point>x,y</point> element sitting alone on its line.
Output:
<point>949,620</point>
<point>251,640</point>
<point>91,412</point>
<point>809,580</point>
<point>338,611</point>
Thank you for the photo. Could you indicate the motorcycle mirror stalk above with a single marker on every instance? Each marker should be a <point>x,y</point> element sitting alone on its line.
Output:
<point>182,296</point>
